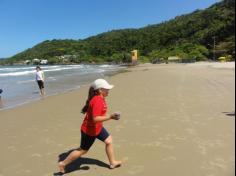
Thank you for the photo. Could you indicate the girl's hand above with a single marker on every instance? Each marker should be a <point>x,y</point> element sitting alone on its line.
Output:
<point>116,116</point>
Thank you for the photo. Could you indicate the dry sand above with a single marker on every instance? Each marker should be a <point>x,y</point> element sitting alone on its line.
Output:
<point>177,119</point>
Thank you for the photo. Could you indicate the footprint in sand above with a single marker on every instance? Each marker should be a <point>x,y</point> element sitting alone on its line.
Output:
<point>202,149</point>
<point>180,138</point>
<point>12,148</point>
<point>170,158</point>
<point>36,155</point>
<point>135,169</point>
<point>119,128</point>
<point>157,143</point>
<point>219,163</point>
<point>191,131</point>
<point>170,147</point>
<point>125,159</point>
<point>59,145</point>
<point>151,144</point>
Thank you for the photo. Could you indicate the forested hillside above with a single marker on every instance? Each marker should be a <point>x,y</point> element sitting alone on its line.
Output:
<point>203,34</point>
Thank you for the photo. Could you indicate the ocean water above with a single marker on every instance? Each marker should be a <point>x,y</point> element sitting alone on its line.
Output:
<point>19,85</point>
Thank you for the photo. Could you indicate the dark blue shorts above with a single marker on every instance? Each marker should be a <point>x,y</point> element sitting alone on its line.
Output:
<point>87,140</point>
<point>40,84</point>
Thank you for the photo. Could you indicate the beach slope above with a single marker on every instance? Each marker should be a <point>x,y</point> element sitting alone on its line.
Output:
<point>177,119</point>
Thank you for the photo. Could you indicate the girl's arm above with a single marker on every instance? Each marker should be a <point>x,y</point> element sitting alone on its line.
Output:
<point>43,76</point>
<point>105,118</point>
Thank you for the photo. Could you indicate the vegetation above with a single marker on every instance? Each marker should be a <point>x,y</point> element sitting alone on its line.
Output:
<point>201,35</point>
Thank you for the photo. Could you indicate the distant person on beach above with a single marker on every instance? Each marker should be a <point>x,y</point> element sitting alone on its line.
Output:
<point>40,80</point>
<point>92,126</point>
<point>1,98</point>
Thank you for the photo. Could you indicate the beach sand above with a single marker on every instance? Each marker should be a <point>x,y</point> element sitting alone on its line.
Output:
<point>177,119</point>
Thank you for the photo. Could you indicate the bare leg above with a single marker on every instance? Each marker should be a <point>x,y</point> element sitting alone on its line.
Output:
<point>70,158</point>
<point>110,153</point>
<point>42,92</point>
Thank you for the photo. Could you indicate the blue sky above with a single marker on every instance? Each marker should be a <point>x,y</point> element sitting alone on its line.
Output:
<point>25,23</point>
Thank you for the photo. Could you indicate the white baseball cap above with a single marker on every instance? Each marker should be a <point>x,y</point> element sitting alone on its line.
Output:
<point>101,83</point>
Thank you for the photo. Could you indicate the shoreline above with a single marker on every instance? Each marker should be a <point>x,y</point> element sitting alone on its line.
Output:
<point>18,102</point>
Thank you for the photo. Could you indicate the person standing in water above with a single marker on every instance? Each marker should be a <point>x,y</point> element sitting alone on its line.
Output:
<point>40,80</point>
<point>92,126</point>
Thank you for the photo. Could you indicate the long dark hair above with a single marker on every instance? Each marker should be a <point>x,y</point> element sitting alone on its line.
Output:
<point>91,94</point>
<point>38,67</point>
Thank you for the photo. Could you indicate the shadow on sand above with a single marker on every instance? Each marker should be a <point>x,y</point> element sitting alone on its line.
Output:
<point>77,164</point>
<point>230,113</point>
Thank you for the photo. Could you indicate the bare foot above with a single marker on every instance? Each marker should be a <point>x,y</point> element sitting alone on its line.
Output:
<point>115,164</point>
<point>61,167</point>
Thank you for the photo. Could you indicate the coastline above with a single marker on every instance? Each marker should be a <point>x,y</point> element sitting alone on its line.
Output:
<point>176,113</point>
<point>20,88</point>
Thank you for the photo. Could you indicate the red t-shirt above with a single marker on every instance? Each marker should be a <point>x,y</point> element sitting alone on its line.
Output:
<point>97,107</point>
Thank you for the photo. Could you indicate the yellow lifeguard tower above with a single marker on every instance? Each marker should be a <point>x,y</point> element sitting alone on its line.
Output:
<point>134,56</point>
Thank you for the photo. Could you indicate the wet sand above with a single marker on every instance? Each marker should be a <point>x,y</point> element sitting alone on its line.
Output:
<point>177,119</point>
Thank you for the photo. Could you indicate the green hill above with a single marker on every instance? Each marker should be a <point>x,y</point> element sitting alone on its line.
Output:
<point>202,34</point>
